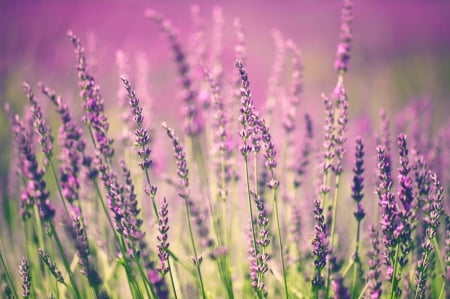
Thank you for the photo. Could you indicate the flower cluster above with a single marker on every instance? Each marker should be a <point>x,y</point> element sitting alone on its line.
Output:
<point>93,101</point>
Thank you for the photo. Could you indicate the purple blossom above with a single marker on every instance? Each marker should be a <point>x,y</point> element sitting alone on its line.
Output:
<point>339,289</point>
<point>248,117</point>
<point>198,216</point>
<point>45,257</point>
<point>388,208</point>
<point>78,234</point>
<point>25,277</point>
<point>296,86</point>
<point>374,273</point>
<point>39,123</point>
<point>35,191</point>
<point>72,149</point>
<point>345,38</point>
<point>163,244</point>
<point>304,159</point>
<point>193,123</point>
<point>358,179</point>
<point>142,140</point>
<point>320,246</point>
<point>406,196</point>
<point>92,101</point>
<point>340,127</point>
<point>222,144</point>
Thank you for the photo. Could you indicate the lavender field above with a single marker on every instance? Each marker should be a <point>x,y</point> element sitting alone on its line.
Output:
<point>179,149</point>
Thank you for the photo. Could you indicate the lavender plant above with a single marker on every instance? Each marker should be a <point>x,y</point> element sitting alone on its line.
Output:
<point>236,213</point>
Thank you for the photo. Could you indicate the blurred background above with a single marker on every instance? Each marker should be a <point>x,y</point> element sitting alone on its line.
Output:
<point>400,51</point>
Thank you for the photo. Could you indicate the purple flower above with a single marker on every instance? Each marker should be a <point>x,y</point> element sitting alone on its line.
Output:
<point>72,152</point>
<point>296,86</point>
<point>35,191</point>
<point>78,234</point>
<point>46,259</point>
<point>193,122</point>
<point>339,290</point>
<point>388,207</point>
<point>198,216</point>
<point>25,277</point>
<point>406,196</point>
<point>358,179</point>
<point>93,102</point>
<point>142,136</point>
<point>340,127</point>
<point>345,38</point>
<point>304,159</point>
<point>373,276</point>
<point>222,143</point>
<point>320,246</point>
<point>39,123</point>
<point>163,244</point>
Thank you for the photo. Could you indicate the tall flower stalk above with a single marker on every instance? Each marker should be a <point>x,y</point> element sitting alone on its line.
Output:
<point>184,193</point>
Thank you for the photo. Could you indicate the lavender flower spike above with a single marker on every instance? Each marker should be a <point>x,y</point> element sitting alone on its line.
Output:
<point>35,191</point>
<point>358,179</point>
<point>193,122</point>
<point>320,246</point>
<point>25,277</point>
<point>41,126</point>
<point>93,101</point>
<point>345,38</point>
<point>163,244</point>
<point>142,137</point>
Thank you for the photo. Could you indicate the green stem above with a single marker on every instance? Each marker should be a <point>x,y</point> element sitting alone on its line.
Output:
<point>394,281</point>
<point>280,243</point>
<point>333,228</point>
<point>197,262</point>
<point>356,258</point>
<point>247,178</point>
<point>171,279</point>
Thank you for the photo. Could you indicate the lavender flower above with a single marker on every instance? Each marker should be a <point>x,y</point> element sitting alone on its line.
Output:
<point>73,147</point>
<point>193,122</point>
<point>406,196</point>
<point>275,90</point>
<point>142,136</point>
<point>217,45</point>
<point>222,151</point>
<point>131,221</point>
<point>248,116</point>
<point>46,259</point>
<point>339,290</point>
<point>388,208</point>
<point>340,127</point>
<point>373,276</point>
<point>184,192</point>
<point>296,86</point>
<point>301,167</point>
<point>258,256</point>
<point>93,101</point>
<point>320,246</point>
<point>78,234</point>
<point>358,179</point>
<point>35,191</point>
<point>345,38</point>
<point>432,223</point>
<point>25,277</point>
<point>163,244</point>
<point>258,267</point>
<point>41,126</point>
